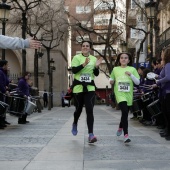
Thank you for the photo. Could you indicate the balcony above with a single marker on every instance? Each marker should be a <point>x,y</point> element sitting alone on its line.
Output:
<point>164,39</point>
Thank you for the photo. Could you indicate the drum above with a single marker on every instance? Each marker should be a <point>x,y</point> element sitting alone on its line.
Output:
<point>16,105</point>
<point>3,108</point>
<point>30,107</point>
<point>145,97</point>
<point>137,105</point>
<point>154,108</point>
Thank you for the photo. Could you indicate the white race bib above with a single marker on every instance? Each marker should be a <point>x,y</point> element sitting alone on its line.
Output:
<point>124,86</point>
<point>85,78</point>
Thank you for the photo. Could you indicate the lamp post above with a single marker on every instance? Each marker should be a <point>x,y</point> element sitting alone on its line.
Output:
<point>150,11</point>
<point>52,68</point>
<point>4,16</point>
<point>70,78</point>
<point>38,54</point>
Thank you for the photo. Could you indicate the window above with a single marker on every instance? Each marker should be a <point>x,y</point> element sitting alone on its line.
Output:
<point>79,39</point>
<point>133,5</point>
<point>99,39</point>
<point>86,23</point>
<point>132,33</point>
<point>101,21</point>
<point>66,8</point>
<point>83,9</point>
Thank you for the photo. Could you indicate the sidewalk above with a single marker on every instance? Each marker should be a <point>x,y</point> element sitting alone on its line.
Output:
<point>46,143</point>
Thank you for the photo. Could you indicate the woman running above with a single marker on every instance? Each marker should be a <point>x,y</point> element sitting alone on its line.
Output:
<point>85,68</point>
<point>123,76</point>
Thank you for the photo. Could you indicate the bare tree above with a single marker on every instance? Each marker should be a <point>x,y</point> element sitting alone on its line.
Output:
<point>24,6</point>
<point>108,33</point>
<point>49,24</point>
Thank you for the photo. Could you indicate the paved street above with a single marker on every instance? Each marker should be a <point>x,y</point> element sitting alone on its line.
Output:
<point>46,143</point>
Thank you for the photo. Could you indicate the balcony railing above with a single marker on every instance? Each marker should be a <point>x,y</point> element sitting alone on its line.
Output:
<point>164,38</point>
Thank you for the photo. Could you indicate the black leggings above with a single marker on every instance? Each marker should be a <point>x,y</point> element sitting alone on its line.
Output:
<point>87,99</point>
<point>124,118</point>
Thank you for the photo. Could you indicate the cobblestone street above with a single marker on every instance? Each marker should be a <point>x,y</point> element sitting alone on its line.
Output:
<point>46,143</point>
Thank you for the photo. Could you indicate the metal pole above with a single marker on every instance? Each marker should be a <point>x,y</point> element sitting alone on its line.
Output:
<point>36,68</point>
<point>49,104</point>
<point>3,33</point>
<point>151,42</point>
<point>52,88</point>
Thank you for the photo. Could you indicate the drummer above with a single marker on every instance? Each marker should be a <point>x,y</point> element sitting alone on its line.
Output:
<point>4,82</point>
<point>140,72</point>
<point>146,120</point>
<point>23,88</point>
<point>164,81</point>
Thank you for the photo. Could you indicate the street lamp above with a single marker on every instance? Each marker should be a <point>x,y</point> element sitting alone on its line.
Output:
<point>52,68</point>
<point>150,11</point>
<point>4,16</point>
<point>38,54</point>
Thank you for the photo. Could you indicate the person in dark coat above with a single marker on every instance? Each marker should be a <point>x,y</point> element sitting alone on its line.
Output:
<point>45,98</point>
<point>23,89</point>
<point>4,82</point>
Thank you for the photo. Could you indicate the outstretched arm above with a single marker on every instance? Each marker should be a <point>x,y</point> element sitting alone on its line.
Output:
<point>18,43</point>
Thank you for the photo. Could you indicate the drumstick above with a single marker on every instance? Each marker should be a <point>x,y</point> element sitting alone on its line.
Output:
<point>145,85</point>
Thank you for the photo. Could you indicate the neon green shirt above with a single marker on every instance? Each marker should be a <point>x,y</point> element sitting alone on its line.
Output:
<point>86,74</point>
<point>123,87</point>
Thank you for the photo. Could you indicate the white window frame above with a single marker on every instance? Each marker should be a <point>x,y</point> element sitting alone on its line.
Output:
<point>83,9</point>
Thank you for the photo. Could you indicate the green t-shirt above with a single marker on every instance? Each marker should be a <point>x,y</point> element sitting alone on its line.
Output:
<point>123,87</point>
<point>86,74</point>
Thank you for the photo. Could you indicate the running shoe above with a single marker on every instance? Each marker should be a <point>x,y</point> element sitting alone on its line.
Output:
<point>74,129</point>
<point>92,138</point>
<point>126,139</point>
<point>119,131</point>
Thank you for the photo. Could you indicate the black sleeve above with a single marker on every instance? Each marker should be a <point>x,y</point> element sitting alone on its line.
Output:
<point>96,71</point>
<point>77,69</point>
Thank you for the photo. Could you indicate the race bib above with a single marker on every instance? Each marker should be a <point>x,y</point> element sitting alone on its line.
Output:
<point>85,78</point>
<point>124,86</point>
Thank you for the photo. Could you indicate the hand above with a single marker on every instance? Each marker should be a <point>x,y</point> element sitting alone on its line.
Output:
<point>128,73</point>
<point>99,61</point>
<point>156,75</point>
<point>112,82</point>
<point>25,96</point>
<point>86,62</point>
<point>34,43</point>
<point>154,86</point>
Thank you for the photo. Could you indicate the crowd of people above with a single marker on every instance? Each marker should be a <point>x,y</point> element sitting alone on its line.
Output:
<point>133,89</point>
<point>153,95</point>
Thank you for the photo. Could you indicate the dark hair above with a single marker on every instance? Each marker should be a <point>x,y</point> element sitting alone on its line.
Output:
<point>159,60</point>
<point>145,72</point>
<point>25,74</point>
<point>154,62</point>
<point>167,55</point>
<point>117,63</point>
<point>142,68</point>
<point>3,62</point>
<point>90,43</point>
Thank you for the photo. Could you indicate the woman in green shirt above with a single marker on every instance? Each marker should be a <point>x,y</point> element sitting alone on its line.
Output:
<point>123,77</point>
<point>85,68</point>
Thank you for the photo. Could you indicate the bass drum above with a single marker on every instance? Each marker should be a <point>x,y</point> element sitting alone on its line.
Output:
<point>16,105</point>
<point>3,108</point>
<point>154,108</point>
